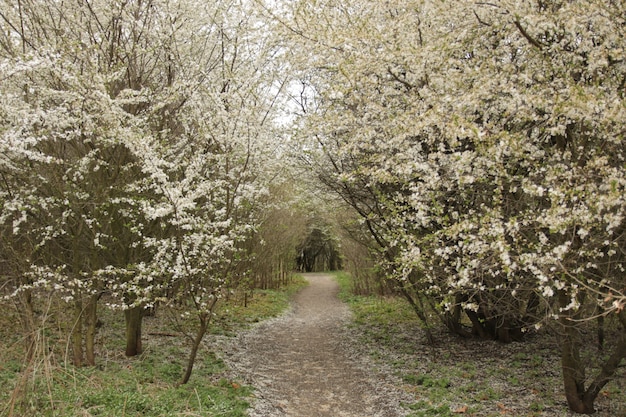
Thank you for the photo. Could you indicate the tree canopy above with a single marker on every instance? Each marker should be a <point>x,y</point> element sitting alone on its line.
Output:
<point>146,150</point>
<point>482,143</point>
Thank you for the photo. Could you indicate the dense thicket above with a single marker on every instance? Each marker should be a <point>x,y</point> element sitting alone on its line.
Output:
<point>137,147</point>
<point>482,145</point>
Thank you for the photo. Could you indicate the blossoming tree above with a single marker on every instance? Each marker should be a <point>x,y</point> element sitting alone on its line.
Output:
<point>135,148</point>
<point>482,144</point>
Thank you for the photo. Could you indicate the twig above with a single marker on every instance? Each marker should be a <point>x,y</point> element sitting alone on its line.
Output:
<point>404,82</point>
<point>525,34</point>
<point>482,22</point>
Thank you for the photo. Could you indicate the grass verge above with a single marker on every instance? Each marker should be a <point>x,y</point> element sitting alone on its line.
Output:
<point>239,312</point>
<point>146,385</point>
<point>460,377</point>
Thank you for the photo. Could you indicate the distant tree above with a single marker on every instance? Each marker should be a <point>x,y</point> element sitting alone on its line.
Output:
<point>281,227</point>
<point>319,251</point>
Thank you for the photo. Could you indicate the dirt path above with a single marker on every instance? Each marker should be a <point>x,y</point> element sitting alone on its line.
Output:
<point>304,364</point>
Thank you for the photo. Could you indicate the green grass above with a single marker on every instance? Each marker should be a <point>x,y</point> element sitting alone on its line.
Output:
<point>146,385</point>
<point>262,304</point>
<point>424,409</point>
<point>426,381</point>
<point>465,377</point>
<point>374,310</point>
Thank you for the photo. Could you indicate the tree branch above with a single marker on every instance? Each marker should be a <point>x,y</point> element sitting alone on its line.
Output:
<point>404,82</point>
<point>525,34</point>
<point>482,22</point>
<point>608,369</point>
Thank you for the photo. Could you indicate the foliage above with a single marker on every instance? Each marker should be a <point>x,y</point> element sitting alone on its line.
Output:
<point>319,250</point>
<point>272,249</point>
<point>138,142</point>
<point>146,386</point>
<point>482,145</point>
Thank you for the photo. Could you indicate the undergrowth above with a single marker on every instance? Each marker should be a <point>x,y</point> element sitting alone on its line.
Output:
<point>463,377</point>
<point>146,385</point>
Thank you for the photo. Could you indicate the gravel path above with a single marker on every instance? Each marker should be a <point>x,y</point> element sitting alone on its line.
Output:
<point>306,362</point>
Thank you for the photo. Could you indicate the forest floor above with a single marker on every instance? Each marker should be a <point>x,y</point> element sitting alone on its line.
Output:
<point>143,386</point>
<point>319,359</point>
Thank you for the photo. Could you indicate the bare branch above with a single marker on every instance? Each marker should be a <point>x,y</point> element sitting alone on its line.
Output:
<point>21,33</point>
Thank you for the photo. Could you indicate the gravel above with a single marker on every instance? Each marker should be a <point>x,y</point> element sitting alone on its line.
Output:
<point>307,362</point>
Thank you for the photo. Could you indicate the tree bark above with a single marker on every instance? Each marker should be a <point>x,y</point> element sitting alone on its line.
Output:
<point>600,330</point>
<point>532,309</point>
<point>77,333</point>
<point>573,370</point>
<point>91,318</point>
<point>477,326</point>
<point>134,318</point>
<point>611,365</point>
<point>202,329</point>
<point>572,367</point>
<point>452,320</point>
<point>579,399</point>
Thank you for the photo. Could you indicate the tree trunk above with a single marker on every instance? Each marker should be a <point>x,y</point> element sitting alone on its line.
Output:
<point>77,333</point>
<point>478,326</point>
<point>452,320</point>
<point>419,311</point>
<point>134,318</point>
<point>202,329</point>
<point>600,328</point>
<point>504,334</point>
<point>532,309</point>
<point>610,366</point>
<point>579,399</point>
<point>27,317</point>
<point>91,318</point>
<point>574,372</point>
<point>572,367</point>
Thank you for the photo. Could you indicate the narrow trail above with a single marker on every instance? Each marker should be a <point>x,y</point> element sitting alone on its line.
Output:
<point>305,364</point>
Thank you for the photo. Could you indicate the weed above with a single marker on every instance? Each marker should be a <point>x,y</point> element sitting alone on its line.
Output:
<point>535,406</point>
<point>513,380</point>
<point>425,409</point>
